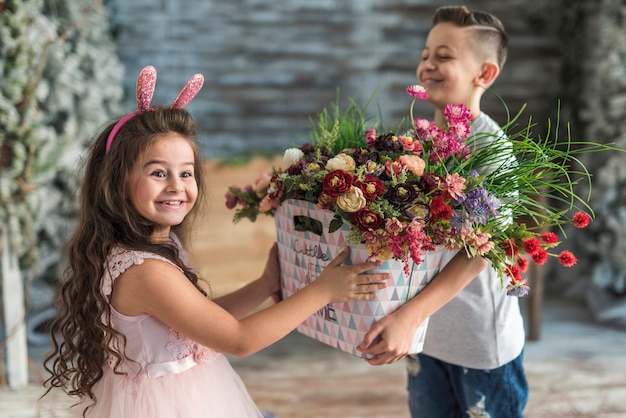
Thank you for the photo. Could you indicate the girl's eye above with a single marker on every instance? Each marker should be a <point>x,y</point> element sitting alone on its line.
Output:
<point>159,173</point>
<point>187,174</point>
<point>443,57</point>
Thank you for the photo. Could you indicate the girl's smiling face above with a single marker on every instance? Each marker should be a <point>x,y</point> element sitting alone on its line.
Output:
<point>162,184</point>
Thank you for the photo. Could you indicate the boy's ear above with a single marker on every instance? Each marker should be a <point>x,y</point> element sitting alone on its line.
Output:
<point>489,73</point>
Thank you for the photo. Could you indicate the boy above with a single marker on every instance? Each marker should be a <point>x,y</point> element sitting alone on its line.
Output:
<point>472,362</point>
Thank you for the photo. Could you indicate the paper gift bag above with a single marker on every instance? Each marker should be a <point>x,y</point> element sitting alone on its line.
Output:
<point>303,256</point>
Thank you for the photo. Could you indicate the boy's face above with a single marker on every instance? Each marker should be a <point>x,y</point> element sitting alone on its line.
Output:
<point>449,68</point>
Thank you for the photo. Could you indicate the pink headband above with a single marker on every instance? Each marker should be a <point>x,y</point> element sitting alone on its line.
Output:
<point>145,89</point>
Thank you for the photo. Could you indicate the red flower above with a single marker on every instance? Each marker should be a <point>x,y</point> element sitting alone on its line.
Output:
<point>540,256</point>
<point>439,209</point>
<point>567,259</point>
<point>371,187</point>
<point>365,219</point>
<point>580,220</point>
<point>514,272</point>
<point>325,201</point>
<point>531,245</point>
<point>522,262</point>
<point>393,166</point>
<point>336,183</point>
<point>510,248</point>
<point>549,238</point>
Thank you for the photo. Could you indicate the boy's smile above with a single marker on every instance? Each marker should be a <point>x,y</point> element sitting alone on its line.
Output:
<point>449,67</point>
<point>162,185</point>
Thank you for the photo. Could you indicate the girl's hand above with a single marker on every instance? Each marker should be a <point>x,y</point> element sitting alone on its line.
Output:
<point>346,283</point>
<point>271,274</point>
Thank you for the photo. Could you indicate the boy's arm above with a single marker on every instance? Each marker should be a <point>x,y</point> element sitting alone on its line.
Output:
<point>389,339</point>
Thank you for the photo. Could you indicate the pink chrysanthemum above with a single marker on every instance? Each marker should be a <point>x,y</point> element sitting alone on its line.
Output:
<point>456,113</point>
<point>455,184</point>
<point>370,135</point>
<point>417,91</point>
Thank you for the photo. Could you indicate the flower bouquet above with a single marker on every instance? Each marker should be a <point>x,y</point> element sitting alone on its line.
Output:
<point>404,197</point>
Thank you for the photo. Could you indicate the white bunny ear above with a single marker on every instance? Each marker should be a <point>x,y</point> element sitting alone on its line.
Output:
<point>146,81</point>
<point>188,92</point>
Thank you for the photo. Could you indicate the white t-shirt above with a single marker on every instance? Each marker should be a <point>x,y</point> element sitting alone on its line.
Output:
<point>482,327</point>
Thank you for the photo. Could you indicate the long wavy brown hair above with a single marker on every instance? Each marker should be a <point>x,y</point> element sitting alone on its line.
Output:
<point>81,333</point>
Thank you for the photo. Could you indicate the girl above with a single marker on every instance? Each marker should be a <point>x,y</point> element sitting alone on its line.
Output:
<point>138,335</point>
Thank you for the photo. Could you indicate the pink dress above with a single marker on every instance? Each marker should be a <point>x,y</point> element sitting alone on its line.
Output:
<point>173,377</point>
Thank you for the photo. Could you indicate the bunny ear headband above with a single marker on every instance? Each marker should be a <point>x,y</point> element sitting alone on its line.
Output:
<point>145,89</point>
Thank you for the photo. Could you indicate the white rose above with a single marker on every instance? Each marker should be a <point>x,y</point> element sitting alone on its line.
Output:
<point>352,201</point>
<point>341,162</point>
<point>292,156</point>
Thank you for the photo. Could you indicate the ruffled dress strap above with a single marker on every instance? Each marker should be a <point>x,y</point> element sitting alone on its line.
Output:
<point>121,259</point>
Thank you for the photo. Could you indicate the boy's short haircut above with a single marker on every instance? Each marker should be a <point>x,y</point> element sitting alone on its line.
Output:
<point>489,30</point>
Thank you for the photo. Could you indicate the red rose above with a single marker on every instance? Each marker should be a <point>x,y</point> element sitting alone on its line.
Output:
<point>367,220</point>
<point>336,183</point>
<point>371,187</point>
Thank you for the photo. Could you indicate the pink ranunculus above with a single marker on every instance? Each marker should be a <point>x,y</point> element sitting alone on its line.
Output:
<point>262,182</point>
<point>410,144</point>
<point>394,167</point>
<point>265,204</point>
<point>415,164</point>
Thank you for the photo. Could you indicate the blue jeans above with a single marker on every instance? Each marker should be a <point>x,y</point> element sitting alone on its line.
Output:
<point>441,390</point>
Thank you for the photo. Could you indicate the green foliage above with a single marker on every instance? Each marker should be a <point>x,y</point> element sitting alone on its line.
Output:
<point>338,128</point>
<point>60,80</point>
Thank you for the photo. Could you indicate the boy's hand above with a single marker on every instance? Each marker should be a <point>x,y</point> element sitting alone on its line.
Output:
<point>389,339</point>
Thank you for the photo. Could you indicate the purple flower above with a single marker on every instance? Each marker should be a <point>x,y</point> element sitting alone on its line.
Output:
<point>459,222</point>
<point>517,288</point>
<point>416,210</point>
<point>479,206</point>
